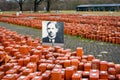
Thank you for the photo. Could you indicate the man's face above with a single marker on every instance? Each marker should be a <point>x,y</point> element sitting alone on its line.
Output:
<point>52,30</point>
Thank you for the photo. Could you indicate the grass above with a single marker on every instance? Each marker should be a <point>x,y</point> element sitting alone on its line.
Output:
<point>107,13</point>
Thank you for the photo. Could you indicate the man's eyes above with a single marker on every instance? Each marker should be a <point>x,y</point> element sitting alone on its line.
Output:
<point>51,28</point>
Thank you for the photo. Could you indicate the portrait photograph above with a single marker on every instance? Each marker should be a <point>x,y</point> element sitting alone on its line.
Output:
<point>52,32</point>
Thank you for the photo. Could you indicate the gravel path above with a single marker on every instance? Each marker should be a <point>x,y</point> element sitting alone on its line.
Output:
<point>101,50</point>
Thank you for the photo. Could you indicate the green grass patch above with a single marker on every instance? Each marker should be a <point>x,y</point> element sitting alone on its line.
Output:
<point>101,13</point>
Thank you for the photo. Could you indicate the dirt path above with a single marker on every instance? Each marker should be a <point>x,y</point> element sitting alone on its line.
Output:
<point>101,50</point>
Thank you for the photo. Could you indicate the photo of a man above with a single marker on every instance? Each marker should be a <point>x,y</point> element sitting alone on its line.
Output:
<point>54,32</point>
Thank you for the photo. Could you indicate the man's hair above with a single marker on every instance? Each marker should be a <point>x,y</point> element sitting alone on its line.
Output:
<point>52,22</point>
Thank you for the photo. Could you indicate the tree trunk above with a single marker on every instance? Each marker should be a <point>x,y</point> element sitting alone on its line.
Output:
<point>48,5</point>
<point>20,4</point>
<point>35,6</point>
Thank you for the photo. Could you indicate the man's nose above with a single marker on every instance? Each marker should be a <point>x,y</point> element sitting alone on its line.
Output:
<point>50,31</point>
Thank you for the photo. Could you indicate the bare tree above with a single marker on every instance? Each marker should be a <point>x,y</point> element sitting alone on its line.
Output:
<point>48,5</point>
<point>28,5</point>
<point>20,2</point>
<point>36,3</point>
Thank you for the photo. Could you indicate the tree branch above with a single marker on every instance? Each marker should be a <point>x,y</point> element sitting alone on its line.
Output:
<point>39,1</point>
<point>20,1</point>
<point>24,0</point>
<point>17,1</point>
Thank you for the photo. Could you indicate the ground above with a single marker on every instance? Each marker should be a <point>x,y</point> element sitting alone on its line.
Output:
<point>101,50</point>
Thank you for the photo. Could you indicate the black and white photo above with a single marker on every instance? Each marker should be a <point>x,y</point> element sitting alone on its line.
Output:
<point>52,32</point>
